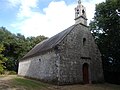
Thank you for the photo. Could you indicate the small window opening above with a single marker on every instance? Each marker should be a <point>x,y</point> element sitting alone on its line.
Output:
<point>83,11</point>
<point>84,41</point>
<point>56,47</point>
<point>39,60</point>
<point>77,11</point>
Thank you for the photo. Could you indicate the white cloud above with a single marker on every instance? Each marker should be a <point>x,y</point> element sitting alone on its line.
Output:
<point>13,3</point>
<point>57,17</point>
<point>25,8</point>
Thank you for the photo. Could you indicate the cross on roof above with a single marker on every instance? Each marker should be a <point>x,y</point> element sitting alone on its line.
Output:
<point>79,1</point>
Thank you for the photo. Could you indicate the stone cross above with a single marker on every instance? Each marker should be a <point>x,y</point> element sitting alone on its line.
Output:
<point>79,1</point>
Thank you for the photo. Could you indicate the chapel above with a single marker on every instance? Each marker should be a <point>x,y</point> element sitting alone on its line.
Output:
<point>69,57</point>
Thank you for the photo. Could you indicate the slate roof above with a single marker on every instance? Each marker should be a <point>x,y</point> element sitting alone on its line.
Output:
<point>49,43</point>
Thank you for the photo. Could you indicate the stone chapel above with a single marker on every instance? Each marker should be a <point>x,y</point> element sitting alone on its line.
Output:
<point>69,57</point>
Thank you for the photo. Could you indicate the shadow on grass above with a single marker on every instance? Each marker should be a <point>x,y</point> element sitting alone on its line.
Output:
<point>29,84</point>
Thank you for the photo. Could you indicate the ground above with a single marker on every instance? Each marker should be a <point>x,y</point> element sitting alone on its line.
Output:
<point>13,82</point>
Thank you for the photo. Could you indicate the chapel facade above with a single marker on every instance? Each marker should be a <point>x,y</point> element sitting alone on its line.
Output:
<point>69,57</point>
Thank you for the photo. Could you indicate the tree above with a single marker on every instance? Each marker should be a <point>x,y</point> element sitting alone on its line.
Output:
<point>2,59</point>
<point>16,46</point>
<point>106,29</point>
<point>10,43</point>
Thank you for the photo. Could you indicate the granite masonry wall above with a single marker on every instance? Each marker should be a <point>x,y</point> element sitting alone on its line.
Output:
<point>63,64</point>
<point>75,50</point>
<point>43,67</point>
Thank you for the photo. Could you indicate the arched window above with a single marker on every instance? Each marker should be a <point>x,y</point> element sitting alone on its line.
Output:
<point>77,11</point>
<point>83,11</point>
<point>84,41</point>
<point>39,60</point>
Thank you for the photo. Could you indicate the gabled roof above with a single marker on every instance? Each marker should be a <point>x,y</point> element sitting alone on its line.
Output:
<point>49,43</point>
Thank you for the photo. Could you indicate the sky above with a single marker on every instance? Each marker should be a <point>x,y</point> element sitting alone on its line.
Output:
<point>41,17</point>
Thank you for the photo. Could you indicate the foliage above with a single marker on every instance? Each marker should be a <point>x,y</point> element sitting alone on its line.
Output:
<point>16,46</point>
<point>106,29</point>
<point>2,59</point>
<point>12,73</point>
<point>9,72</point>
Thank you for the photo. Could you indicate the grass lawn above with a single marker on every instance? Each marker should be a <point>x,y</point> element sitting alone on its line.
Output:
<point>28,84</point>
<point>13,82</point>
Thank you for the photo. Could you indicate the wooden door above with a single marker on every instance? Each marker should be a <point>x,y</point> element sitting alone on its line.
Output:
<point>85,73</point>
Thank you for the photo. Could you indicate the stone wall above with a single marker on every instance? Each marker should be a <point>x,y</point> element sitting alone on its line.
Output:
<point>64,64</point>
<point>43,67</point>
<point>96,64</point>
<point>75,50</point>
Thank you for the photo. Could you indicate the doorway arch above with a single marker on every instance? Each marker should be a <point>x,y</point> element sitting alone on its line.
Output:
<point>85,70</point>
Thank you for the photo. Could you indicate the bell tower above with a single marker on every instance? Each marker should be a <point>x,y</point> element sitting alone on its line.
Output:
<point>80,14</point>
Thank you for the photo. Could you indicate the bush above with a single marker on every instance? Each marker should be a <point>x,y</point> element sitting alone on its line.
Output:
<point>10,73</point>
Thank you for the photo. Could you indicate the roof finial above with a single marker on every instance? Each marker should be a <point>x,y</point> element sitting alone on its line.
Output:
<point>79,1</point>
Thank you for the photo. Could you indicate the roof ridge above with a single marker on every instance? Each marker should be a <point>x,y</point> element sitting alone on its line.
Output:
<point>49,43</point>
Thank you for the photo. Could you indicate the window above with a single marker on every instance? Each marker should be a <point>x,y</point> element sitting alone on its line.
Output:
<point>39,60</point>
<point>84,41</point>
<point>77,12</point>
<point>83,11</point>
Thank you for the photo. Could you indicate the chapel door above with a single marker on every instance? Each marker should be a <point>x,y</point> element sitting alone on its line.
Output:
<point>85,73</point>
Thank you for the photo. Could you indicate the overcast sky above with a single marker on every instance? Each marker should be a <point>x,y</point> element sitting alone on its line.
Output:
<point>41,17</point>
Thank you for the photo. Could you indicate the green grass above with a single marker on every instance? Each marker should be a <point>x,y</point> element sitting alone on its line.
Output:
<point>28,84</point>
<point>19,83</point>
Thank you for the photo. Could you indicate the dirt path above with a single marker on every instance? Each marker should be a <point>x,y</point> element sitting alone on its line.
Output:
<point>5,83</point>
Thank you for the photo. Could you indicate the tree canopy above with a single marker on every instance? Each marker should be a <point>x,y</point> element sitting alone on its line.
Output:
<point>2,59</point>
<point>105,27</point>
<point>14,47</point>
